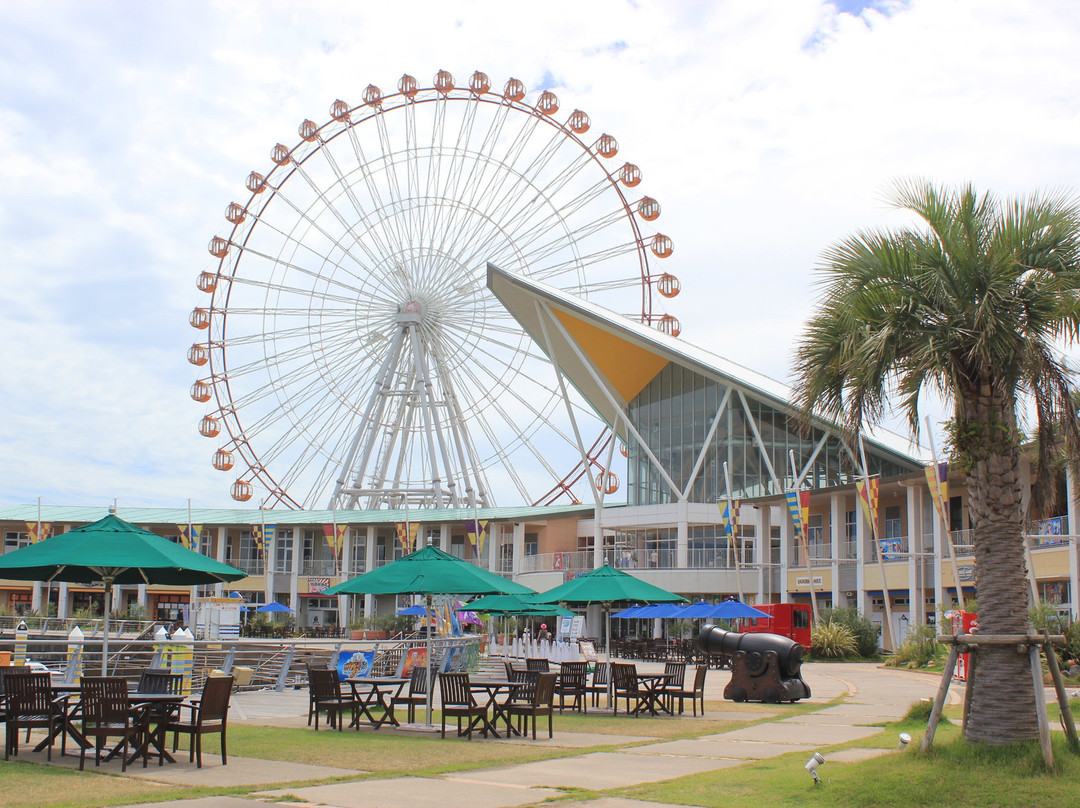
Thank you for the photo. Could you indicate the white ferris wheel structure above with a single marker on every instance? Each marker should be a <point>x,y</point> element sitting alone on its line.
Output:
<point>351,355</point>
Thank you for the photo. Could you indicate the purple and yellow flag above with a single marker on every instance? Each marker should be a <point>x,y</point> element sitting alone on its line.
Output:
<point>406,534</point>
<point>937,479</point>
<point>32,529</point>
<point>475,533</point>
<point>190,535</point>
<point>868,500</point>
<point>263,535</point>
<point>729,516</point>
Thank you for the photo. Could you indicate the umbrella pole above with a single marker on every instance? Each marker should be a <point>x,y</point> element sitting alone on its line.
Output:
<point>607,648</point>
<point>105,628</point>
<point>427,661</point>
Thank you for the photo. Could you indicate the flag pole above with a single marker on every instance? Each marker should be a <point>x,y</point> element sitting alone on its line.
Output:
<point>802,535</point>
<point>885,596</point>
<point>733,531</point>
<point>937,496</point>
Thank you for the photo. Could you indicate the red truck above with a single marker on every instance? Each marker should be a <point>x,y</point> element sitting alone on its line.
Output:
<point>786,619</point>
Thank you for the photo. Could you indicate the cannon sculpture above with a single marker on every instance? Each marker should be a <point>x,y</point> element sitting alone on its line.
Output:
<point>764,667</point>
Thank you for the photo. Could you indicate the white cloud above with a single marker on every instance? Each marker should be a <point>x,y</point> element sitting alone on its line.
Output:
<point>126,129</point>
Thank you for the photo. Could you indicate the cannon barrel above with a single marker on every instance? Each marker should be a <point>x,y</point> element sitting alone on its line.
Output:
<point>789,654</point>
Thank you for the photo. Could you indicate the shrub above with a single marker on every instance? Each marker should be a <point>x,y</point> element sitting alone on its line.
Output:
<point>832,641</point>
<point>919,648</point>
<point>864,630</point>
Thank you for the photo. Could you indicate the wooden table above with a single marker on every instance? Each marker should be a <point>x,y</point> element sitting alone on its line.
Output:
<point>380,692</point>
<point>652,685</point>
<point>493,688</point>
<point>68,714</point>
<point>159,708</point>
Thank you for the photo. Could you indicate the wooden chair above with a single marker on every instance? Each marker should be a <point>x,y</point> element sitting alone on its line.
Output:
<point>458,702</point>
<point>30,705</point>
<point>159,680</point>
<point>537,664</point>
<point>107,712</point>
<point>599,684</point>
<point>625,681</point>
<point>573,684</point>
<point>311,693</point>
<point>541,703</point>
<point>324,694</point>
<point>674,680</point>
<point>695,693</point>
<point>209,714</point>
<point>417,694</point>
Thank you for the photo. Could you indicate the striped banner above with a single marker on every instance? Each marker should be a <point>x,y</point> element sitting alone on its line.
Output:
<point>799,507</point>
<point>263,536</point>
<point>937,479</point>
<point>868,500</point>
<point>406,534</point>
<point>729,516</point>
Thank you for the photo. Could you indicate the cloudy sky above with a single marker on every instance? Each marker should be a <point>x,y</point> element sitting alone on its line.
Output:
<point>766,128</point>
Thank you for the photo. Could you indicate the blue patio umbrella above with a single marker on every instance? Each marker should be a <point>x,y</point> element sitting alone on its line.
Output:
<point>734,609</point>
<point>697,610</point>
<point>659,610</point>
<point>413,611</point>
<point>274,607</point>
<point>630,613</point>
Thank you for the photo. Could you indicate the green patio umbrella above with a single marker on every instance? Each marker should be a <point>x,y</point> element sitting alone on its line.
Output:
<point>112,551</point>
<point>607,585</point>
<point>518,605</point>
<point>429,571</point>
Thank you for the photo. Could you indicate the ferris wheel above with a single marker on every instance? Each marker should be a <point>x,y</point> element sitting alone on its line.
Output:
<point>352,355</point>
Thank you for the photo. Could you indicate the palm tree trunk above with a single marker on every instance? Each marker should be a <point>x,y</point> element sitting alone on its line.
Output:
<point>1002,708</point>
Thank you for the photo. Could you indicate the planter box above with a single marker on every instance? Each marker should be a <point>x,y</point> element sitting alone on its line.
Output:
<point>370,635</point>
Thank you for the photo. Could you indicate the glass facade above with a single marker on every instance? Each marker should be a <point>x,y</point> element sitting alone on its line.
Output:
<point>674,414</point>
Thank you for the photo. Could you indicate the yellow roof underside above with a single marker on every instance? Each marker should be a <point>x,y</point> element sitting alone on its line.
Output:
<point>627,367</point>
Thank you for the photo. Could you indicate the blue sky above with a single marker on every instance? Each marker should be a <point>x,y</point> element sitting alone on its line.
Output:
<point>766,128</point>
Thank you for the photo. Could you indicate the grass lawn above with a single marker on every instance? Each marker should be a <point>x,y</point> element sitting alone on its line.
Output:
<point>383,754</point>
<point>952,774</point>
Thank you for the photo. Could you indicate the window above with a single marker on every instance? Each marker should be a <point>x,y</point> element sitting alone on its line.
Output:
<point>249,560</point>
<point>283,550</point>
<point>358,553</point>
<point>800,618</point>
<point>893,526</point>
<point>532,544</point>
<point>13,540</point>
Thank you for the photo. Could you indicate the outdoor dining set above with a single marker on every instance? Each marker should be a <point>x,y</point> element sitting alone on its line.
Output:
<point>110,718</point>
<point>503,706</point>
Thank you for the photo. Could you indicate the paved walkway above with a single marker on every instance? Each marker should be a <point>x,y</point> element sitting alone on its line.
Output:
<point>873,694</point>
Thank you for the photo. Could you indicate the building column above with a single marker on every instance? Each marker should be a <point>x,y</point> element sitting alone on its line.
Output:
<point>785,555</point>
<point>219,555</point>
<point>763,549</point>
<point>916,607</point>
<point>519,547</point>
<point>1074,568</point>
<point>862,531</point>
<point>294,571</point>
<point>682,536</point>
<point>836,523</point>
<point>369,564</point>
<point>940,538</point>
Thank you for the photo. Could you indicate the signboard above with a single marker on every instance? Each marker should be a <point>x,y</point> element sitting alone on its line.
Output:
<point>564,627</point>
<point>316,585</point>
<point>355,664</point>
<point>805,581</point>
<point>577,626</point>
<point>588,650</point>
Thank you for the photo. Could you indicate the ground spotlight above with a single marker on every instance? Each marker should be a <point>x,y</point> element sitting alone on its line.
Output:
<point>905,739</point>
<point>812,764</point>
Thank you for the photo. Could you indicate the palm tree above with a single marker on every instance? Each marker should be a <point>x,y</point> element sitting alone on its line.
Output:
<point>975,305</point>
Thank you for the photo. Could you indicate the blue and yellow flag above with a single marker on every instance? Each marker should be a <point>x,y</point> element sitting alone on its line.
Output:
<point>190,535</point>
<point>799,507</point>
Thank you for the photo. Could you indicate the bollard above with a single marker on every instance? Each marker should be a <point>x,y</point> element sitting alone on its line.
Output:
<point>22,634</point>
<point>73,670</point>
<point>183,658</point>
<point>161,657</point>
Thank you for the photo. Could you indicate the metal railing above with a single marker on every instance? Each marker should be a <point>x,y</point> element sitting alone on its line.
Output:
<point>265,665</point>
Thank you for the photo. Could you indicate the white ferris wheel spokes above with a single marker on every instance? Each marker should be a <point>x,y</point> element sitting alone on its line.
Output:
<point>354,355</point>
